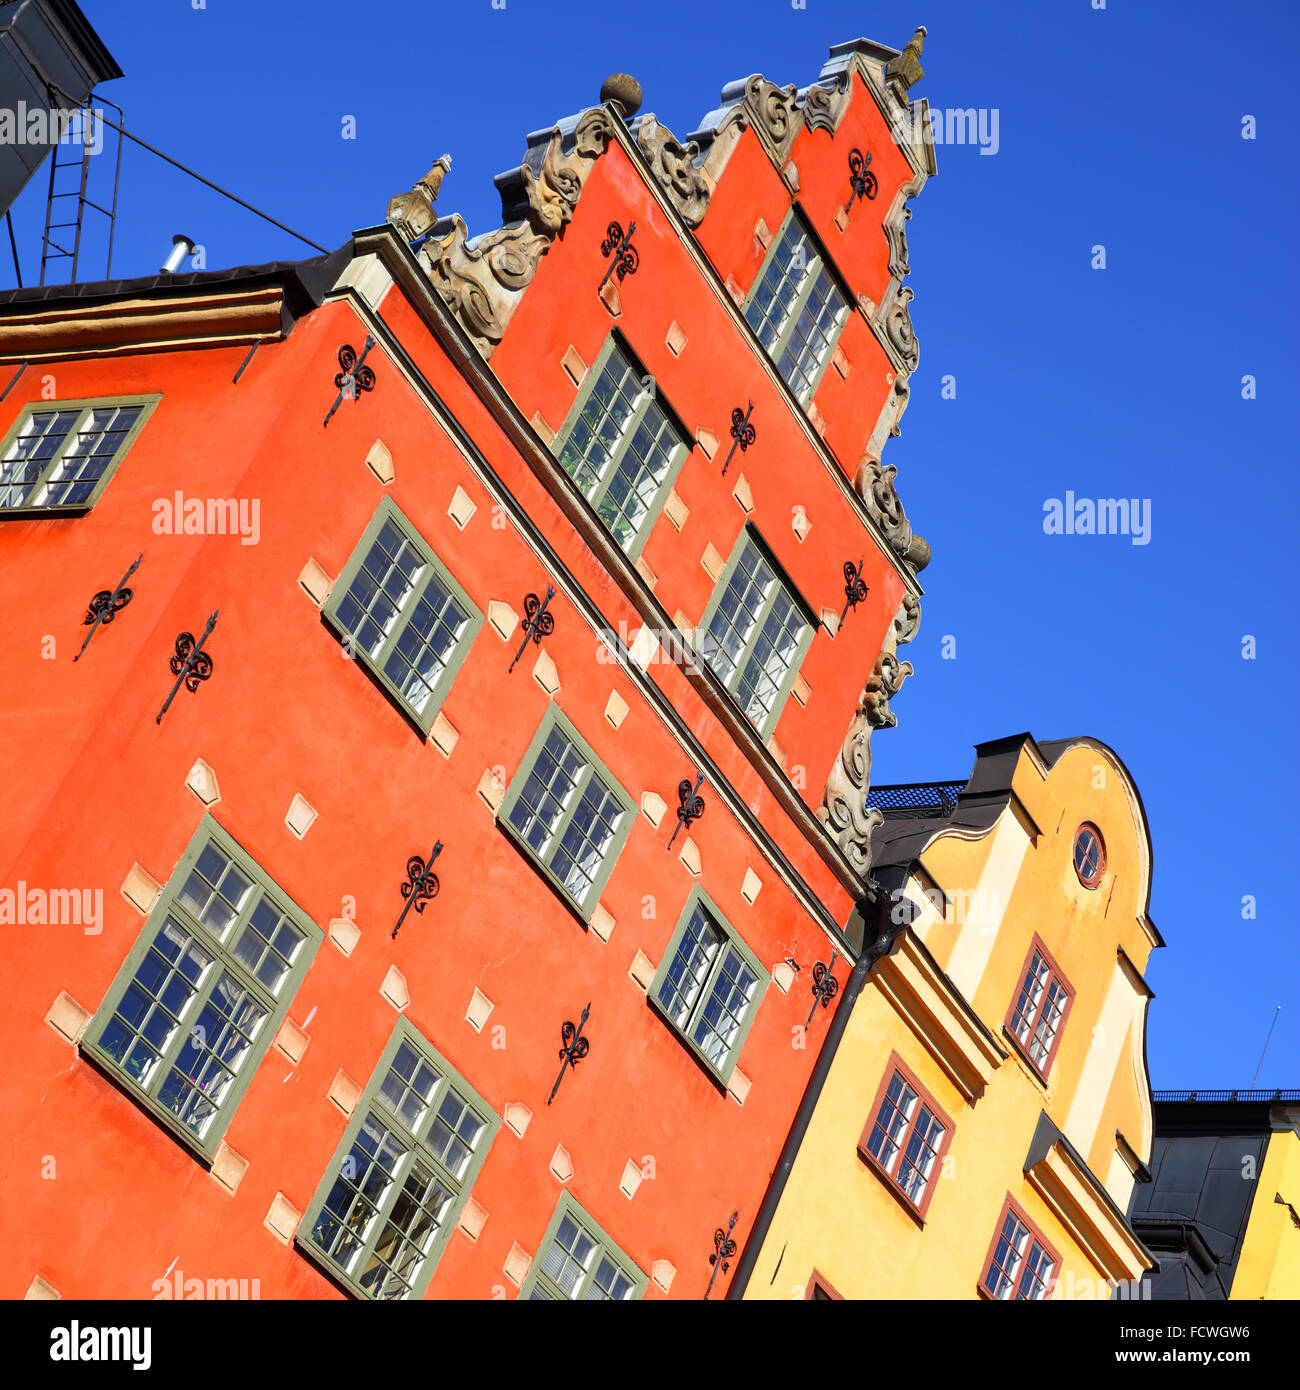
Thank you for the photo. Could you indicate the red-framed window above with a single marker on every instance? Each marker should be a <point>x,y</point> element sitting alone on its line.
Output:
<point>1089,854</point>
<point>819,1288</point>
<point>906,1137</point>
<point>1038,1012</point>
<point>1020,1265</point>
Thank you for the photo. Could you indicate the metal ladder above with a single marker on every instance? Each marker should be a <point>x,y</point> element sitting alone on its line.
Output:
<point>70,178</point>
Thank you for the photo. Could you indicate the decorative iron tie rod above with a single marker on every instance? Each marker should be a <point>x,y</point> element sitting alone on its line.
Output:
<point>354,376</point>
<point>619,245</point>
<point>421,884</point>
<point>723,1249</point>
<point>862,182</point>
<point>743,433</point>
<point>538,622</point>
<point>574,1050</point>
<point>191,664</point>
<point>107,604</point>
<point>855,587</point>
<point>824,986</point>
<point>691,806</point>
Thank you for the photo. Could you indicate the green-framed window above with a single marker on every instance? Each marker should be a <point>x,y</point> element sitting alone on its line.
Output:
<point>577,1260</point>
<point>621,446</point>
<point>567,811</point>
<point>709,985</point>
<point>797,307</point>
<point>196,1004</point>
<point>397,608</point>
<point>59,455</point>
<point>756,632</point>
<point>402,1173</point>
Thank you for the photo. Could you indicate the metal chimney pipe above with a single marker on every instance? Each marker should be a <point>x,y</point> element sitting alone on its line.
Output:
<point>182,246</point>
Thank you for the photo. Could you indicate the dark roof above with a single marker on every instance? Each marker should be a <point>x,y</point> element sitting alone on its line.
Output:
<point>92,47</point>
<point>306,283</point>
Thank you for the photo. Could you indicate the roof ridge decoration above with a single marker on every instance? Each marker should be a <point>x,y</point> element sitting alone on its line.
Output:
<point>482,278</point>
<point>843,810</point>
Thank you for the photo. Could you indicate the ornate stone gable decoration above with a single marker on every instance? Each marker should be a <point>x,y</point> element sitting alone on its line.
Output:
<point>875,485</point>
<point>906,69</point>
<point>896,236</point>
<point>413,213</point>
<point>893,324</point>
<point>774,114</point>
<point>824,107</point>
<point>483,281</point>
<point>674,169</point>
<point>843,810</point>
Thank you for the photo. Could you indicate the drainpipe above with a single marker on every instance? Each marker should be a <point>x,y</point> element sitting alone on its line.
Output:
<point>874,907</point>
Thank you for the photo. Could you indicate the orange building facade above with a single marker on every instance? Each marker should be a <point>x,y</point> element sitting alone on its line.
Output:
<point>489,559</point>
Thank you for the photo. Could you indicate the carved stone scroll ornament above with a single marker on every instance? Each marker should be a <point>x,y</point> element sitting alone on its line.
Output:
<point>899,330</point>
<point>896,235</point>
<point>773,111</point>
<point>824,107</point>
<point>875,484</point>
<point>483,283</point>
<point>673,166</point>
<point>843,810</point>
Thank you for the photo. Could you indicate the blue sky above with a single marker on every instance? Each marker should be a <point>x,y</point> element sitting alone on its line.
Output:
<point>1119,127</point>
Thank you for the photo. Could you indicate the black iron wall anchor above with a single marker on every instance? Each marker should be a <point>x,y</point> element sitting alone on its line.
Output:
<point>190,664</point>
<point>618,244</point>
<point>574,1050</point>
<point>691,805</point>
<point>723,1249</point>
<point>421,884</point>
<point>743,433</point>
<point>824,986</point>
<point>862,182</point>
<point>107,604</point>
<point>354,376</point>
<point>538,621</point>
<point>855,587</point>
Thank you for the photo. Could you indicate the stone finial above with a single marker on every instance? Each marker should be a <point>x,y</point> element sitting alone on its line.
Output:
<point>623,93</point>
<point>906,69</point>
<point>413,213</point>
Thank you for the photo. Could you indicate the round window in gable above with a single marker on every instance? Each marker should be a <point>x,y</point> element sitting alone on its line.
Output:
<point>1089,855</point>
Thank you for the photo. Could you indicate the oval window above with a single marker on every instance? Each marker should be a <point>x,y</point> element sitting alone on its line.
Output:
<point>1089,855</point>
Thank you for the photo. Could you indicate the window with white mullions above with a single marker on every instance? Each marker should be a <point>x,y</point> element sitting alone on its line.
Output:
<point>797,308</point>
<point>194,1007</point>
<point>402,1174</point>
<point>755,634</point>
<point>60,459</point>
<point>568,812</point>
<point>621,447</point>
<point>398,610</point>
<point>579,1262</point>
<point>1038,1013</point>
<point>906,1138</point>
<point>708,986</point>
<point>1021,1266</point>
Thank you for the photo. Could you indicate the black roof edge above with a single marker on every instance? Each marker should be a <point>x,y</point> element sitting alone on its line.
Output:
<point>305,282</point>
<point>82,32</point>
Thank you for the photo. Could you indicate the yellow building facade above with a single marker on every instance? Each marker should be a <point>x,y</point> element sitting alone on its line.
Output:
<point>983,1110</point>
